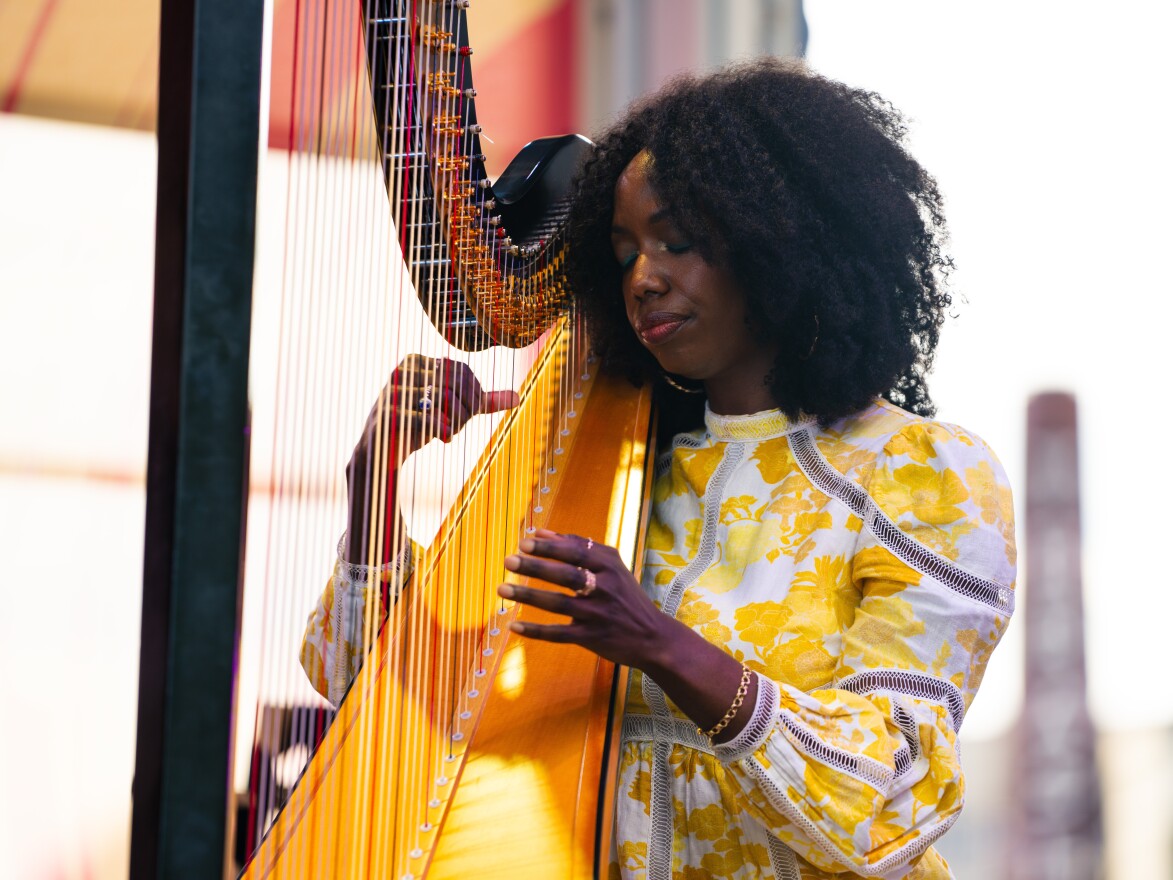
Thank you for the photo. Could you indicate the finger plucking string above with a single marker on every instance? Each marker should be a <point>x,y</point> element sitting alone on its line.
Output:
<point>495,401</point>
<point>553,571</point>
<point>547,600</point>
<point>566,548</point>
<point>546,632</point>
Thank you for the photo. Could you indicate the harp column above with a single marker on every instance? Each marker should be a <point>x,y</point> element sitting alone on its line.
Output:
<point>209,86</point>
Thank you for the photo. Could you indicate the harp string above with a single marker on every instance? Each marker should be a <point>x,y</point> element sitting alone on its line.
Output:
<point>364,327</point>
<point>341,333</point>
<point>388,446</point>
<point>419,735</point>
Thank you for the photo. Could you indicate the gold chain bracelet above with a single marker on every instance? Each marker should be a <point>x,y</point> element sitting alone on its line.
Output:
<point>742,690</point>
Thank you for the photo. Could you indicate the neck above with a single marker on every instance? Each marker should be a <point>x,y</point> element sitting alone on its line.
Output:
<point>738,399</point>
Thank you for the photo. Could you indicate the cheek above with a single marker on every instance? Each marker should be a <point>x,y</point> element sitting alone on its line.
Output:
<point>627,302</point>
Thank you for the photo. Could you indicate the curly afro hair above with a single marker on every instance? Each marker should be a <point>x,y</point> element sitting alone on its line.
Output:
<point>801,188</point>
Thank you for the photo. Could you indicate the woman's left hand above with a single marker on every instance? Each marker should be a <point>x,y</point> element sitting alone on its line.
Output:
<point>611,615</point>
<point>609,612</point>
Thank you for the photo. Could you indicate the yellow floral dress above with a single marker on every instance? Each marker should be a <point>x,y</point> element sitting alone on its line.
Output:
<point>865,571</point>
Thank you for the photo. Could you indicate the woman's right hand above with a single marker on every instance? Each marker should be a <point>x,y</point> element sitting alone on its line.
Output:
<point>425,398</point>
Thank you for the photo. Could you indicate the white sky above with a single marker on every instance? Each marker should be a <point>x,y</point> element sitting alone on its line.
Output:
<point>1047,126</point>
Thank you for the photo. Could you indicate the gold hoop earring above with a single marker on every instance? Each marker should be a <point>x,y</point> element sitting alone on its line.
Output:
<point>684,389</point>
<point>814,342</point>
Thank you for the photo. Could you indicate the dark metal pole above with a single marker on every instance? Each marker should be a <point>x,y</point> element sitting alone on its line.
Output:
<point>209,84</point>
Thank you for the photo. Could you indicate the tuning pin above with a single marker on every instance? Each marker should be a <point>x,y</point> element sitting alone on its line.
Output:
<point>470,93</point>
<point>473,129</point>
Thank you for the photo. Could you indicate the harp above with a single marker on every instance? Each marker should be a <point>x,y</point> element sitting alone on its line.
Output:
<point>458,749</point>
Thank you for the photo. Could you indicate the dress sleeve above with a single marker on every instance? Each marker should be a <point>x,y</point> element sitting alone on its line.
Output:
<point>863,775</point>
<point>337,635</point>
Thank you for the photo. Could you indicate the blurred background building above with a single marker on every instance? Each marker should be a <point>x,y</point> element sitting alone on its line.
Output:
<point>1042,122</point>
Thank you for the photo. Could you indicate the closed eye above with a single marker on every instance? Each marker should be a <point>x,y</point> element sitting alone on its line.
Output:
<point>627,262</point>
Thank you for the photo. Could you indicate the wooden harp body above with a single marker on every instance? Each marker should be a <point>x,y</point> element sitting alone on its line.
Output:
<point>461,750</point>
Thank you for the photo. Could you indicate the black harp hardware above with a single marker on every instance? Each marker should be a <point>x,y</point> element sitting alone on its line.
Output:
<point>491,252</point>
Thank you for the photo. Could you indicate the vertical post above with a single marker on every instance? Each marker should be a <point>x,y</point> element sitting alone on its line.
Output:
<point>1057,832</point>
<point>209,86</point>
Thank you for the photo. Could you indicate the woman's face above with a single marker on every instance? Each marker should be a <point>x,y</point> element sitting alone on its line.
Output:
<point>690,314</point>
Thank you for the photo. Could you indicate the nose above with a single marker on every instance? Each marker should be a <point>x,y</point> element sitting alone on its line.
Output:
<point>646,278</point>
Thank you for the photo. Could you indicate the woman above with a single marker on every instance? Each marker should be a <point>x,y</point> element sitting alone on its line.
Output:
<point>827,570</point>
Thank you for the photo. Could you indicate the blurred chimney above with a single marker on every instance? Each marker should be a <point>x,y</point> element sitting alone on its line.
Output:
<point>1057,832</point>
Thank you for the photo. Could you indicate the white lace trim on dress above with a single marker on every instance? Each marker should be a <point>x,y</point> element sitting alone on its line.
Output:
<point>642,728</point>
<point>914,684</point>
<point>782,860</point>
<point>757,730</point>
<point>659,859</point>
<point>807,742</point>
<point>945,572</point>
<point>763,425</point>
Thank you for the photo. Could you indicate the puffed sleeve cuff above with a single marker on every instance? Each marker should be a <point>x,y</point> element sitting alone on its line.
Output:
<point>836,779</point>
<point>338,635</point>
<point>754,734</point>
<point>353,601</point>
<point>395,571</point>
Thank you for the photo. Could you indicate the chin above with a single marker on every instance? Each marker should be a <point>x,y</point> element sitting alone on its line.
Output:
<point>680,370</point>
<point>686,368</point>
<point>681,375</point>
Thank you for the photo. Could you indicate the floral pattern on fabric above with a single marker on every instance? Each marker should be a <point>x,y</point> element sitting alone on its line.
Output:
<point>337,638</point>
<point>865,571</point>
<point>866,581</point>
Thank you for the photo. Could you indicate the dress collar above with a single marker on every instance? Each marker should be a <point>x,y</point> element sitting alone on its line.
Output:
<point>755,426</point>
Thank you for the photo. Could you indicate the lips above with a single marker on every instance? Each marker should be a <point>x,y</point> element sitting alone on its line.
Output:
<point>658,327</point>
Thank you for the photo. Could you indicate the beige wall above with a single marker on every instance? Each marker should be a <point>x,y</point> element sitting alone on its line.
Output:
<point>75,317</point>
